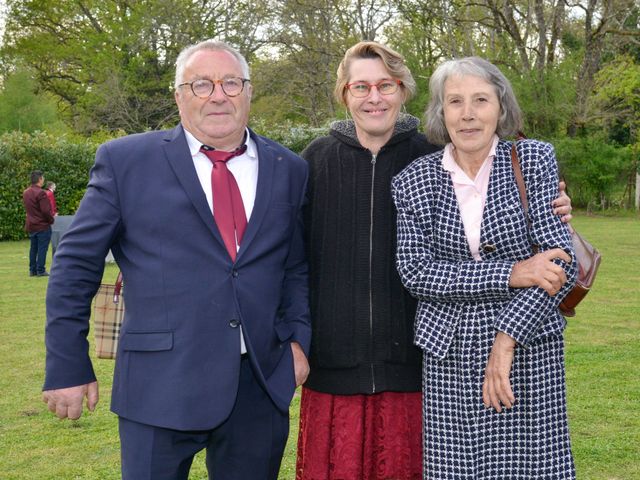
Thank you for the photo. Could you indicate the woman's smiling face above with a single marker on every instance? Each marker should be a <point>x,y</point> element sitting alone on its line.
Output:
<point>471,112</point>
<point>374,115</point>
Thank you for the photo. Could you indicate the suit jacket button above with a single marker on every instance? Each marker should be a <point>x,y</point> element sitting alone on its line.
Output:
<point>234,323</point>
<point>234,273</point>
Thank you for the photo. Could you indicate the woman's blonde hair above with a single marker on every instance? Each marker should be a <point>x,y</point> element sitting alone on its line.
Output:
<point>392,60</point>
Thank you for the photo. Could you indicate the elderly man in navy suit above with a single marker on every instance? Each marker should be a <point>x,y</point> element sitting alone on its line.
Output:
<point>205,223</point>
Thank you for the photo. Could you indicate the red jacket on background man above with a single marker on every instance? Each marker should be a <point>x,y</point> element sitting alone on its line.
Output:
<point>36,203</point>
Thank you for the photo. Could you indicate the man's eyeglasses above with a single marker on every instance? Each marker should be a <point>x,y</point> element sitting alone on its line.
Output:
<point>203,88</point>
<point>362,89</point>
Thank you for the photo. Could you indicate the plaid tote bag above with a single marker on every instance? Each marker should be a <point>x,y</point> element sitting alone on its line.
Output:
<point>108,313</point>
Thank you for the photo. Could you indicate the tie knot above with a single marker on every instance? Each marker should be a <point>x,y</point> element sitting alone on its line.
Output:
<point>221,155</point>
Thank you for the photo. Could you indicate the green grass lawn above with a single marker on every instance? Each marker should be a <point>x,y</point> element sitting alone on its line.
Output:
<point>603,375</point>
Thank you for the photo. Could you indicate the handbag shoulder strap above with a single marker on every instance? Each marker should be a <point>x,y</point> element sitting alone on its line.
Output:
<point>522,190</point>
<point>118,288</point>
<point>517,171</point>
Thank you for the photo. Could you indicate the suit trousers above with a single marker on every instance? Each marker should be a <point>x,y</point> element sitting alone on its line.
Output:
<point>248,445</point>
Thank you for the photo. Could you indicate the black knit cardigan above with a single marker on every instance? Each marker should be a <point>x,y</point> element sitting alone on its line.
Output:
<point>362,318</point>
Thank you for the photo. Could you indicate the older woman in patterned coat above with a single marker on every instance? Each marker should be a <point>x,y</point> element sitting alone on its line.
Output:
<point>494,399</point>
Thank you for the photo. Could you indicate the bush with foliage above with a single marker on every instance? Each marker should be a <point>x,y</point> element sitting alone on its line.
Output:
<point>595,171</point>
<point>63,161</point>
<point>23,108</point>
<point>67,161</point>
<point>294,137</point>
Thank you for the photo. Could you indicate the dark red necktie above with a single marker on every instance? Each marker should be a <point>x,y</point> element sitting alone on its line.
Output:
<point>228,208</point>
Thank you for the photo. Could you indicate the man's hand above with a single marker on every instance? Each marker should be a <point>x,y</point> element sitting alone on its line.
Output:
<point>496,389</point>
<point>562,205</point>
<point>540,271</point>
<point>300,363</point>
<point>67,402</point>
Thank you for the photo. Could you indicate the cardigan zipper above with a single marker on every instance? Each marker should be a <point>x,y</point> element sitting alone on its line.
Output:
<point>373,177</point>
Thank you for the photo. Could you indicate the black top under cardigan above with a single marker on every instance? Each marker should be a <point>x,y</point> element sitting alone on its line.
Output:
<point>362,318</point>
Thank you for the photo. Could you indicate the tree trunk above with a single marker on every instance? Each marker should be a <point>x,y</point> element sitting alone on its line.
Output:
<point>637,189</point>
<point>594,45</point>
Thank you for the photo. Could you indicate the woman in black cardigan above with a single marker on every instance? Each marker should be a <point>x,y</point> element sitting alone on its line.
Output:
<point>360,413</point>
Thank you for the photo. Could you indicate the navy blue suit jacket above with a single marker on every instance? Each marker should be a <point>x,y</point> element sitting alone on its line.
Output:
<point>179,353</point>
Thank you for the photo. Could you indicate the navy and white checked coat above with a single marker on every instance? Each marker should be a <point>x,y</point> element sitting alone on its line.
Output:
<point>463,303</point>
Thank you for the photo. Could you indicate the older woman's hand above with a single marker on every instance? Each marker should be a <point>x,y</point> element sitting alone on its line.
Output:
<point>496,389</point>
<point>562,204</point>
<point>540,271</point>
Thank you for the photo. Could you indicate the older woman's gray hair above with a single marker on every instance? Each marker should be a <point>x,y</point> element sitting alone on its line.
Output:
<point>213,45</point>
<point>510,120</point>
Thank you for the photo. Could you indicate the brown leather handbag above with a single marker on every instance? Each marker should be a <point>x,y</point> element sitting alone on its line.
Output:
<point>587,256</point>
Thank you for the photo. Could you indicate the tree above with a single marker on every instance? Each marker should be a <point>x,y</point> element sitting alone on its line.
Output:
<point>617,101</point>
<point>23,108</point>
<point>604,22</point>
<point>110,62</point>
<point>424,33</point>
<point>307,40</point>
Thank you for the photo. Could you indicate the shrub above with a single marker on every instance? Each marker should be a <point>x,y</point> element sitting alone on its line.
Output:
<point>67,161</point>
<point>294,137</point>
<point>62,161</point>
<point>593,169</point>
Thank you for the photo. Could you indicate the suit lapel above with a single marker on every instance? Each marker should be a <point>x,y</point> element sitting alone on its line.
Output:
<point>177,153</point>
<point>266,167</point>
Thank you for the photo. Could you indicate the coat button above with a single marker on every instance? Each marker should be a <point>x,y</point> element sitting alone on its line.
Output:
<point>234,273</point>
<point>489,247</point>
<point>234,323</point>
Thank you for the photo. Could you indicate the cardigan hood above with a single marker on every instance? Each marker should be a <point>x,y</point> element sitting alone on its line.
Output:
<point>345,130</point>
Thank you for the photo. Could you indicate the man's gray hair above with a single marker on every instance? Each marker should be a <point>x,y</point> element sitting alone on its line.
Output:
<point>510,120</point>
<point>213,45</point>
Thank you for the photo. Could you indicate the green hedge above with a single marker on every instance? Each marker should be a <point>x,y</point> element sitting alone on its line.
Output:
<point>294,137</point>
<point>596,172</point>
<point>67,161</point>
<point>63,161</point>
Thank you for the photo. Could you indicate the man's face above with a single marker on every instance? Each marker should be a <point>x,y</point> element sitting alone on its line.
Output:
<point>218,121</point>
<point>41,182</point>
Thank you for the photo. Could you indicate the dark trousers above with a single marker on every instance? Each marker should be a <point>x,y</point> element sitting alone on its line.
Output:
<point>248,445</point>
<point>38,251</point>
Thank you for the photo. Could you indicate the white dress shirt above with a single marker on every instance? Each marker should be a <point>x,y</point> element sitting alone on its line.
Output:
<point>244,169</point>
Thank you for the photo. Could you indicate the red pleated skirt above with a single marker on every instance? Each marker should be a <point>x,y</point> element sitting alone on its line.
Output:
<point>360,437</point>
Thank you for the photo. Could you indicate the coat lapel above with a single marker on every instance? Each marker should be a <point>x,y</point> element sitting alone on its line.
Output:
<point>447,198</point>
<point>177,152</point>
<point>500,202</point>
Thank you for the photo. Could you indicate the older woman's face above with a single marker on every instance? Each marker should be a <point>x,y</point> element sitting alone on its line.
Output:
<point>376,114</point>
<point>471,113</point>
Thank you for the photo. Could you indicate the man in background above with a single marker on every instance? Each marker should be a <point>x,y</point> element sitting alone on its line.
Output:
<point>38,224</point>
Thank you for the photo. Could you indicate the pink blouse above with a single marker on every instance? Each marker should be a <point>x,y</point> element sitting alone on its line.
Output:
<point>471,194</point>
